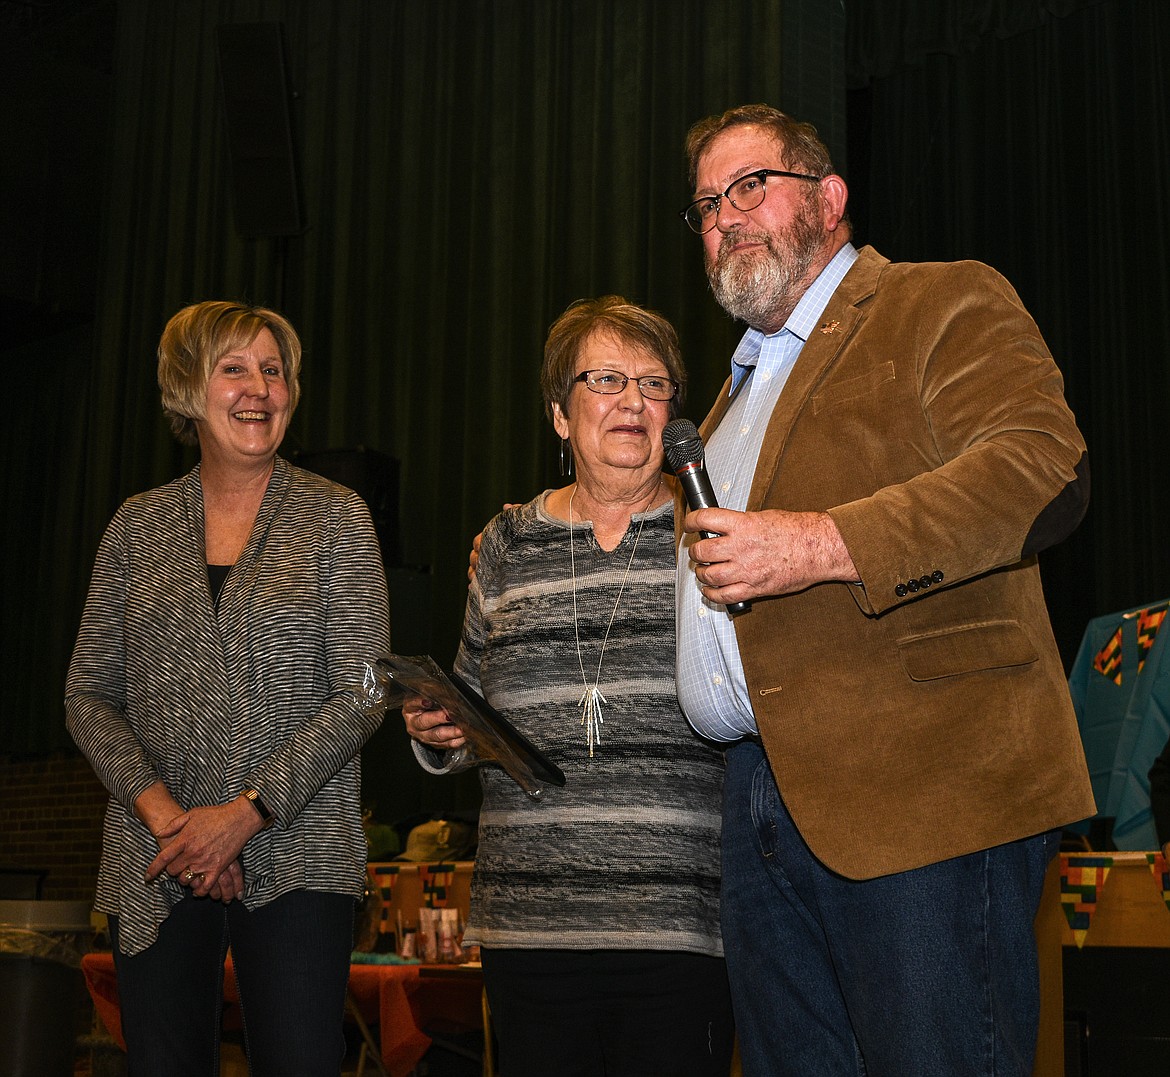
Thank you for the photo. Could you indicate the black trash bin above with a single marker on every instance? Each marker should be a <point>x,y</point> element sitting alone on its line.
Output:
<point>42,989</point>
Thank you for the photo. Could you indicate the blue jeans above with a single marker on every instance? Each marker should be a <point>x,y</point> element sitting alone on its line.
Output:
<point>925,973</point>
<point>291,959</point>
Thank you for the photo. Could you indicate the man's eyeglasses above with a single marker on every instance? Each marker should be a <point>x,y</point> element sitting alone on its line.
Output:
<point>746,193</point>
<point>612,382</point>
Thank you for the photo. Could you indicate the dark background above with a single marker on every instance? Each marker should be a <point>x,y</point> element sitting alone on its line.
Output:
<point>453,173</point>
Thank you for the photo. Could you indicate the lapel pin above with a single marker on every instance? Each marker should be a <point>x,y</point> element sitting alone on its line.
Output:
<point>830,327</point>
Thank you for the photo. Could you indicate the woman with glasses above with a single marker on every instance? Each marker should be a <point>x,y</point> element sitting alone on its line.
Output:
<point>596,907</point>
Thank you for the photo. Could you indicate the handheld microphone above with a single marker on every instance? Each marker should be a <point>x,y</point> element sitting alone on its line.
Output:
<point>684,453</point>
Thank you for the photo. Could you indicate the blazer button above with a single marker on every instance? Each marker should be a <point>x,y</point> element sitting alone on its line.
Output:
<point>926,581</point>
<point>912,586</point>
<point>937,575</point>
<point>901,590</point>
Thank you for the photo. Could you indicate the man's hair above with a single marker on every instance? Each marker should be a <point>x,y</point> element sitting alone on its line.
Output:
<point>196,338</point>
<point>622,321</point>
<point>801,148</point>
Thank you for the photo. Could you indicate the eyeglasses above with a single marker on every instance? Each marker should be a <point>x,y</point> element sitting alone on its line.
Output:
<point>612,382</point>
<point>744,194</point>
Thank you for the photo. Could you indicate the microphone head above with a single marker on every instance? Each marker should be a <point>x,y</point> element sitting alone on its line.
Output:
<point>682,444</point>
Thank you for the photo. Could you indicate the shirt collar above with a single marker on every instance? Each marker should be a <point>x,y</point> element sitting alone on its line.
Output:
<point>801,321</point>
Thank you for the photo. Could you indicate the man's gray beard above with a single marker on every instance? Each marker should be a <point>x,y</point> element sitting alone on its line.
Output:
<point>763,288</point>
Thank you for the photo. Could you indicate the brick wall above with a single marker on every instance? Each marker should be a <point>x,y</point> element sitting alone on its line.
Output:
<point>51,811</point>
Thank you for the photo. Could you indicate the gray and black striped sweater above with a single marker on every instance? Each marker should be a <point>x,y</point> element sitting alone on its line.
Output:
<point>257,693</point>
<point>626,855</point>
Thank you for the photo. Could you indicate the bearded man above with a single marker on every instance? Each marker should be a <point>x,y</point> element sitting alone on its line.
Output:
<point>891,451</point>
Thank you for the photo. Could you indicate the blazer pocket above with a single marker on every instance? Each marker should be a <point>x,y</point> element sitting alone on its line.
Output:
<point>838,392</point>
<point>966,649</point>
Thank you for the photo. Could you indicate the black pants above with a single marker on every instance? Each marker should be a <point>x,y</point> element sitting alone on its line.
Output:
<point>291,959</point>
<point>609,1013</point>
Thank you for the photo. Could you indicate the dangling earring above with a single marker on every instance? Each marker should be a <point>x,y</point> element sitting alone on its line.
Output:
<point>566,457</point>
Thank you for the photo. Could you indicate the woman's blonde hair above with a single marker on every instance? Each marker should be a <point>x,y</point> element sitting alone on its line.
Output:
<point>196,338</point>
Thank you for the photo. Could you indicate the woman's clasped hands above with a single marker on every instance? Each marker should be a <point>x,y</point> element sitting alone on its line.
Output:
<point>201,848</point>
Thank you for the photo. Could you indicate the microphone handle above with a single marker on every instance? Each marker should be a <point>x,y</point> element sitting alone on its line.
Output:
<point>696,484</point>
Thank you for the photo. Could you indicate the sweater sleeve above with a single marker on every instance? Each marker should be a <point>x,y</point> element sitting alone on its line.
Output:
<point>95,688</point>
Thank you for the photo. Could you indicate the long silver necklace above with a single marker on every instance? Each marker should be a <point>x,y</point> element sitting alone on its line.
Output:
<point>592,699</point>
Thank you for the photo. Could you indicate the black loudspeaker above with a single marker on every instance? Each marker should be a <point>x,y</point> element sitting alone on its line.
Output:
<point>265,188</point>
<point>371,474</point>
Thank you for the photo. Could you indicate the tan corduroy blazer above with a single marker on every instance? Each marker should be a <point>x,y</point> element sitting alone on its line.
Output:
<point>925,713</point>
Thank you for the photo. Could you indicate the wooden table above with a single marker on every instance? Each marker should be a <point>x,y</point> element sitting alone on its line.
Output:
<point>403,1000</point>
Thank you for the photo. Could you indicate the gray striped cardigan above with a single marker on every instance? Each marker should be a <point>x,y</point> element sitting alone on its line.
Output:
<point>256,693</point>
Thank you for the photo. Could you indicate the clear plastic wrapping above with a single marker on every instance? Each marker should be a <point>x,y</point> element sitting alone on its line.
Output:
<point>491,738</point>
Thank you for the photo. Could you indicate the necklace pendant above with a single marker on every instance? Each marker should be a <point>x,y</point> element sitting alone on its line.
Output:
<point>591,718</point>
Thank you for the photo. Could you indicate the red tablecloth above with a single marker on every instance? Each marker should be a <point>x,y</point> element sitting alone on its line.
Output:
<point>396,996</point>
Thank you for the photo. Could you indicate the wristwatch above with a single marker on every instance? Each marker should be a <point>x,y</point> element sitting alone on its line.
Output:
<point>262,809</point>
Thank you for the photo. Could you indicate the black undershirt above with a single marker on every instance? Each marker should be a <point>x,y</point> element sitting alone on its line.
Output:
<point>216,577</point>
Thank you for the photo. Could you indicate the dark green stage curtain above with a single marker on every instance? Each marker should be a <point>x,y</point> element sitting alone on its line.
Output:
<point>1036,137</point>
<point>885,33</point>
<point>468,169</point>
